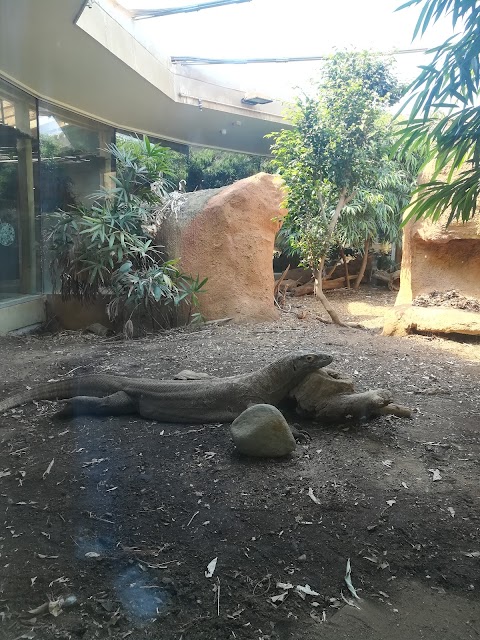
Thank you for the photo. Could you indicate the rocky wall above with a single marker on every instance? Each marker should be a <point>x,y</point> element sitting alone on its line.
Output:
<point>227,235</point>
<point>437,258</point>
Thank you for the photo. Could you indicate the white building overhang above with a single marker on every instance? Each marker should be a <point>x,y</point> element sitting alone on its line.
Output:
<point>92,60</point>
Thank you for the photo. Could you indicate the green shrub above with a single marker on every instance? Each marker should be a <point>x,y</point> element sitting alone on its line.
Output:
<point>108,248</point>
<point>210,169</point>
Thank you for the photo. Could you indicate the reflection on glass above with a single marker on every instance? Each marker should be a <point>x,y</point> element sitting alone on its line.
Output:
<point>74,160</point>
<point>19,227</point>
<point>73,164</point>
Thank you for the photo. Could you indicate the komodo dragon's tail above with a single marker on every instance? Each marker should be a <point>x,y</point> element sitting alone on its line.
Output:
<point>94,385</point>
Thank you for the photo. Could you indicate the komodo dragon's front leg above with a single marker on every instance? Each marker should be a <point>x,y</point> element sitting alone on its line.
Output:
<point>117,404</point>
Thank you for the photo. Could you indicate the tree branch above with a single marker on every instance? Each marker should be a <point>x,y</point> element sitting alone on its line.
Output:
<point>342,201</point>
<point>322,205</point>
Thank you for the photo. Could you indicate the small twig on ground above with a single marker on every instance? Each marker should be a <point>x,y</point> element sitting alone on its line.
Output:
<point>48,469</point>
<point>190,521</point>
<point>188,624</point>
<point>355,325</point>
<point>80,366</point>
<point>265,580</point>
<point>276,288</point>
<point>92,516</point>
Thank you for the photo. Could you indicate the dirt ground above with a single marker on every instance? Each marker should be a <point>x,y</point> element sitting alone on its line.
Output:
<point>124,515</point>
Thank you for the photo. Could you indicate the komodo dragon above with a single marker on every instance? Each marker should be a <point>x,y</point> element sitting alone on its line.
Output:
<point>185,401</point>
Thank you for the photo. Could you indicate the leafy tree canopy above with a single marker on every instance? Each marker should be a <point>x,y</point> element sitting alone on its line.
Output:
<point>445,116</point>
<point>335,159</point>
<point>335,155</point>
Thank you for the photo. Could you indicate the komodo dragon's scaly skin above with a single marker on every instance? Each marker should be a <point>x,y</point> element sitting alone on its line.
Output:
<point>184,401</point>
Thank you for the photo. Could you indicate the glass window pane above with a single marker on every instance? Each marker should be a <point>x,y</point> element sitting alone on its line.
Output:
<point>74,164</point>
<point>19,225</point>
<point>74,159</point>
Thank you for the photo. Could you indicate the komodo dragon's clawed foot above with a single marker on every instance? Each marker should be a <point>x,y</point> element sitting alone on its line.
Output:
<point>299,435</point>
<point>116,404</point>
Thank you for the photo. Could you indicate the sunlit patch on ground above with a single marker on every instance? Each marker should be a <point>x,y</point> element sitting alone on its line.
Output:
<point>368,313</point>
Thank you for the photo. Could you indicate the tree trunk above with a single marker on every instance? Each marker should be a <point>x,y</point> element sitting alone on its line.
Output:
<point>342,201</point>
<point>318,277</point>
<point>329,273</point>
<point>392,279</point>
<point>329,309</point>
<point>318,291</point>
<point>345,266</point>
<point>276,288</point>
<point>327,285</point>
<point>363,266</point>
<point>335,283</point>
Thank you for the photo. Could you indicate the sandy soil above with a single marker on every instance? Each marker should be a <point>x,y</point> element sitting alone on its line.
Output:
<point>124,514</point>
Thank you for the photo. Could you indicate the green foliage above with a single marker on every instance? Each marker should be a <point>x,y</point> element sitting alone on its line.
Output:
<point>309,242</point>
<point>156,161</point>
<point>190,290</point>
<point>209,168</point>
<point>376,213</point>
<point>335,158</point>
<point>164,161</point>
<point>8,186</point>
<point>55,146</point>
<point>50,147</point>
<point>445,116</point>
<point>108,248</point>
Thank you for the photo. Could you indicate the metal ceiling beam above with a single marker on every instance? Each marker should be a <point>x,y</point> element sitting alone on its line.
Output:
<point>143,14</point>
<point>194,60</point>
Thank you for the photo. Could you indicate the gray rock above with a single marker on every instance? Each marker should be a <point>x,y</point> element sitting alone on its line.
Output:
<point>262,431</point>
<point>187,374</point>
<point>98,329</point>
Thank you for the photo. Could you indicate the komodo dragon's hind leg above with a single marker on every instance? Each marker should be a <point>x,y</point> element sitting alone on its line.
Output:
<point>118,404</point>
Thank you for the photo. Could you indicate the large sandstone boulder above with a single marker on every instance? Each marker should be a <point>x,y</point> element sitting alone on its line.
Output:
<point>437,258</point>
<point>227,235</point>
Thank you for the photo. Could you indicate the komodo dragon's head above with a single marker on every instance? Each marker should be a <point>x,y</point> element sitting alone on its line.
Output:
<point>279,378</point>
<point>285,373</point>
<point>306,361</point>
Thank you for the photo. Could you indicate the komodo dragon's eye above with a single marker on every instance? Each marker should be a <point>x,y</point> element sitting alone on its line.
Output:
<point>309,358</point>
